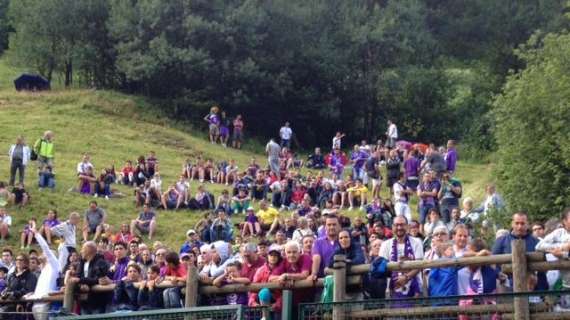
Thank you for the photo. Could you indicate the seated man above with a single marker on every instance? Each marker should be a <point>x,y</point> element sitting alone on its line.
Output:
<point>268,217</point>
<point>358,193</point>
<point>145,223</point>
<point>221,228</point>
<point>316,160</point>
<point>94,221</point>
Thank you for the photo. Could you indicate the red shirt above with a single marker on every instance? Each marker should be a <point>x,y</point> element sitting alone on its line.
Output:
<point>179,271</point>
<point>248,271</point>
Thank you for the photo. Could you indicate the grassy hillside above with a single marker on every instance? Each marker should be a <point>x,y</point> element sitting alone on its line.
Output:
<point>114,127</point>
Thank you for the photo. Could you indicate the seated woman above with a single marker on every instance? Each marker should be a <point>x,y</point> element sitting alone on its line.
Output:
<point>126,174</point>
<point>272,298</point>
<point>86,181</point>
<point>27,235</point>
<point>125,295</point>
<point>251,226</point>
<point>297,195</point>
<point>171,199</point>
<point>224,202</point>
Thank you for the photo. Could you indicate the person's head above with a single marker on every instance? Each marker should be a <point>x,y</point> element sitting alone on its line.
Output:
<point>221,214</point>
<point>450,144</point>
<point>414,228</point>
<point>274,257</point>
<point>400,226</point>
<point>88,250</point>
<point>287,124</point>
<point>153,272</point>
<point>250,253</point>
<point>280,237</point>
<point>22,262</point>
<point>160,256</point>
<point>233,269</point>
<point>19,140</point>
<point>378,227</point>
<point>7,256</point>
<point>520,224</point>
<point>124,228</point>
<point>455,214</point>
<point>134,247</point>
<point>93,205</point>
<point>344,239</point>
<point>433,215</point>
<point>375,247</point>
<point>476,245</point>
<point>262,247</point>
<point>145,255</point>
<point>490,189</point>
<point>468,204</point>
<point>332,226</point>
<point>172,259</point>
<point>120,250</point>
<point>3,272</point>
<point>426,177</point>
<point>440,234</point>
<point>537,230</point>
<point>48,135</point>
<point>308,242</point>
<point>86,157</point>
<point>292,251</point>
<point>2,212</point>
<point>133,272</point>
<point>52,214</point>
<point>460,235</point>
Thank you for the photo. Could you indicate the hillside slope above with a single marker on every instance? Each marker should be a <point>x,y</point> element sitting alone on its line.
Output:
<point>114,127</point>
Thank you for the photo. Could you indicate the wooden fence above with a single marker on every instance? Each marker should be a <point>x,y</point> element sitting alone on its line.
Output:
<point>518,263</point>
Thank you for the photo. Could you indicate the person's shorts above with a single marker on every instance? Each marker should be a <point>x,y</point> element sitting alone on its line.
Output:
<point>224,131</point>
<point>143,228</point>
<point>92,228</point>
<point>237,135</point>
<point>214,129</point>
<point>376,182</point>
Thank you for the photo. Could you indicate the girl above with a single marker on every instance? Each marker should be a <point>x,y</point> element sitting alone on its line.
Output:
<point>126,174</point>
<point>27,234</point>
<point>213,120</point>
<point>49,222</point>
<point>85,181</point>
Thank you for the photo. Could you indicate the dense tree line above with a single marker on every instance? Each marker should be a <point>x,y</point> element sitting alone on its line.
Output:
<point>325,65</point>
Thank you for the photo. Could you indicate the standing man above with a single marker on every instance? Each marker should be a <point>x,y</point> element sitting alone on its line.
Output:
<point>67,231</point>
<point>403,247</point>
<point>286,133</point>
<point>44,149</point>
<point>451,157</point>
<point>19,157</point>
<point>520,231</point>
<point>372,168</point>
<point>273,150</point>
<point>391,135</point>
<point>323,248</point>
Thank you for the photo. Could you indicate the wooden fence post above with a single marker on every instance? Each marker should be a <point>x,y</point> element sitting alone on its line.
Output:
<point>521,309</point>
<point>191,299</point>
<point>339,294</point>
<point>68,298</point>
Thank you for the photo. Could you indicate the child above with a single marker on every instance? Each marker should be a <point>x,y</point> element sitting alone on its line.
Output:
<point>85,181</point>
<point>27,235</point>
<point>443,281</point>
<point>21,196</point>
<point>251,226</point>
<point>49,222</point>
<point>232,276</point>
<point>46,178</point>
<point>151,164</point>
<point>224,202</point>
<point>126,174</point>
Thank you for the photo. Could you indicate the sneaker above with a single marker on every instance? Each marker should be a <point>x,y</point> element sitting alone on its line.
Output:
<point>350,208</point>
<point>201,180</point>
<point>212,181</point>
<point>361,208</point>
<point>106,197</point>
<point>95,195</point>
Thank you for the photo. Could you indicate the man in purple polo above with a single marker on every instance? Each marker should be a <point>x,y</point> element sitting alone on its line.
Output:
<point>451,156</point>
<point>119,268</point>
<point>323,249</point>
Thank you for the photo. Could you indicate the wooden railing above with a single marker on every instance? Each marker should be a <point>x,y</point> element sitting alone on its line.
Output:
<point>517,263</point>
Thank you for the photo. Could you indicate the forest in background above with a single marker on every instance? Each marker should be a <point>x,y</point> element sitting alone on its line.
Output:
<point>460,69</point>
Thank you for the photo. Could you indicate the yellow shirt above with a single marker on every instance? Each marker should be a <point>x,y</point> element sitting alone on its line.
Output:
<point>267,216</point>
<point>357,191</point>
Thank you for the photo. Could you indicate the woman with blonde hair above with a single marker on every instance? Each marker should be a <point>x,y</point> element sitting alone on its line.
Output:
<point>213,120</point>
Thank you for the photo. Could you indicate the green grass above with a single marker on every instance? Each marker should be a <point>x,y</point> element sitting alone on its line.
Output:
<point>114,127</point>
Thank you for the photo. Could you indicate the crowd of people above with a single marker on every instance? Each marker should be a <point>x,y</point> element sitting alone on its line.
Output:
<point>305,215</point>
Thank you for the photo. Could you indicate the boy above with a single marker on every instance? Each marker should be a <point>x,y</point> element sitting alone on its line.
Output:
<point>232,276</point>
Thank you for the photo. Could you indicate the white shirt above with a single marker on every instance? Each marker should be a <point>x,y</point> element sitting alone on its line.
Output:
<point>26,152</point>
<point>393,131</point>
<point>156,184</point>
<point>285,133</point>
<point>66,231</point>
<point>336,143</point>
<point>6,219</point>
<point>554,240</point>
<point>83,166</point>
<point>417,248</point>
<point>398,195</point>
<point>47,281</point>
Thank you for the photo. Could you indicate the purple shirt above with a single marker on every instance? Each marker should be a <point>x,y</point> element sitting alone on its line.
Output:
<point>324,248</point>
<point>359,158</point>
<point>451,159</point>
<point>51,223</point>
<point>412,167</point>
<point>429,187</point>
<point>120,269</point>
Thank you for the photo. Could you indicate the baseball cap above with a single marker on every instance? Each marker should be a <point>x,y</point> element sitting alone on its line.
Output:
<point>274,251</point>
<point>190,231</point>
<point>184,255</point>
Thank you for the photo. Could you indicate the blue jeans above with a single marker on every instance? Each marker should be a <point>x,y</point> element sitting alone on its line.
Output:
<point>424,209</point>
<point>171,298</point>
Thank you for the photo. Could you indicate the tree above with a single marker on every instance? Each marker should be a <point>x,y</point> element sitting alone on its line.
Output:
<point>4,25</point>
<point>532,129</point>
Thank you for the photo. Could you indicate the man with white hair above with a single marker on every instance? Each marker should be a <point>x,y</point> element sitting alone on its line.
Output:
<point>296,266</point>
<point>251,261</point>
